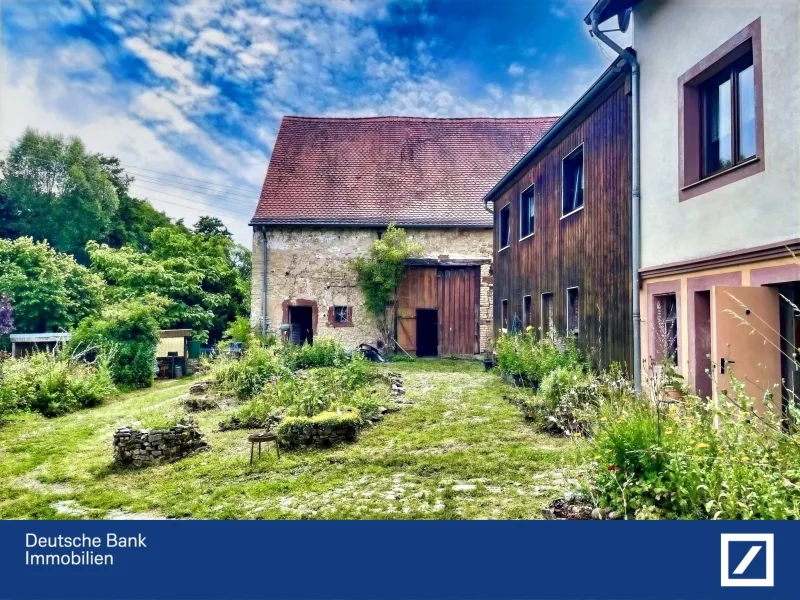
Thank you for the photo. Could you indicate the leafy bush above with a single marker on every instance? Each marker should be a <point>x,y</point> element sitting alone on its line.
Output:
<point>52,384</point>
<point>695,460</point>
<point>127,334</point>
<point>326,352</point>
<point>531,360</point>
<point>246,377</point>
<point>569,400</point>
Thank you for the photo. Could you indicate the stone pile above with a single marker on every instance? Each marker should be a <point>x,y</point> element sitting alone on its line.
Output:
<point>139,447</point>
<point>319,435</point>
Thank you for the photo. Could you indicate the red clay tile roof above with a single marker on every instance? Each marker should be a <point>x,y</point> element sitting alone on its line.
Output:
<point>406,170</point>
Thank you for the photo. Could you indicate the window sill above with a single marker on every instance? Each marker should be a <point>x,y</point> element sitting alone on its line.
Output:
<point>722,173</point>
<point>569,214</point>
<point>504,248</point>
<point>525,237</point>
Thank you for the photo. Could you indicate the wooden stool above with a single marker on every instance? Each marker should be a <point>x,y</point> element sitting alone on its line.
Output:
<point>260,438</point>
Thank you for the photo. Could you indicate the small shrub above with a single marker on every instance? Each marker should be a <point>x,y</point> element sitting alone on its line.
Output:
<point>246,377</point>
<point>531,360</point>
<point>325,352</point>
<point>52,384</point>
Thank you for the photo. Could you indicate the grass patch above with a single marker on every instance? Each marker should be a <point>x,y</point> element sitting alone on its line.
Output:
<point>460,451</point>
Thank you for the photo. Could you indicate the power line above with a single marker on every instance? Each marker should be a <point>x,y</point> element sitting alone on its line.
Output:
<point>191,200</point>
<point>196,189</point>
<point>189,178</point>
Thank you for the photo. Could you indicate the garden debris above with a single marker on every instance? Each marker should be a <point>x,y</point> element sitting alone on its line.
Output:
<point>201,387</point>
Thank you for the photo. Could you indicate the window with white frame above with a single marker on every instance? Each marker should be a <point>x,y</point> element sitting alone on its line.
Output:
<point>572,181</point>
<point>505,223</point>
<point>526,212</point>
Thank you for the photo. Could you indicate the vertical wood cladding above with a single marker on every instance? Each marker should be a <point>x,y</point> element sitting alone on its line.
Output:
<point>589,249</point>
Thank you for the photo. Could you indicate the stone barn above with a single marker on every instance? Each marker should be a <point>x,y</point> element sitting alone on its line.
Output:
<point>334,185</point>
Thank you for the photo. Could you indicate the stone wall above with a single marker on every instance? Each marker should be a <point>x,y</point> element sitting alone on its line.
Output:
<point>138,447</point>
<point>313,264</point>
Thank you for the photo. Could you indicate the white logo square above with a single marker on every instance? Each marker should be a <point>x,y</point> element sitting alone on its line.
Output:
<point>768,542</point>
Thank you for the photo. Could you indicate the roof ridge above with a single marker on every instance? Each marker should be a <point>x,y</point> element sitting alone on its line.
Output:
<point>415,118</point>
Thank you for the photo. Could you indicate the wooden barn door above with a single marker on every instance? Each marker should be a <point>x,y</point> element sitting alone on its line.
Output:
<point>417,290</point>
<point>458,298</point>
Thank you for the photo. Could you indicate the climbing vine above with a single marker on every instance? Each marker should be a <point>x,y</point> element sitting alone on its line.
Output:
<point>379,275</point>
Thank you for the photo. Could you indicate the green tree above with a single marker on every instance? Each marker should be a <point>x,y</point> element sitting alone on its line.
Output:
<point>211,226</point>
<point>135,218</point>
<point>195,273</point>
<point>48,290</point>
<point>53,190</point>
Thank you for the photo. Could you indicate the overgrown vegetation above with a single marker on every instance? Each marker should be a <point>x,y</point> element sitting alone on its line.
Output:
<point>530,359</point>
<point>457,452</point>
<point>298,381</point>
<point>379,275</point>
<point>126,336</point>
<point>52,383</point>
<point>693,459</point>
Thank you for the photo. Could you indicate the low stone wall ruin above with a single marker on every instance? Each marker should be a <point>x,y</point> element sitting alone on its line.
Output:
<point>139,447</point>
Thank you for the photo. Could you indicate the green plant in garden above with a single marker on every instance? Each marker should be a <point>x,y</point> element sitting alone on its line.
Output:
<point>692,459</point>
<point>379,275</point>
<point>325,352</point>
<point>126,334</point>
<point>52,384</point>
<point>245,377</point>
<point>530,359</point>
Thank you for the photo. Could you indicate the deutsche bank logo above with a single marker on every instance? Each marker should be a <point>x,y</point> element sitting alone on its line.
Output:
<point>748,560</point>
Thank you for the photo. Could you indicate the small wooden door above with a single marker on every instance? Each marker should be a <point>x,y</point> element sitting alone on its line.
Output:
<point>417,290</point>
<point>745,341</point>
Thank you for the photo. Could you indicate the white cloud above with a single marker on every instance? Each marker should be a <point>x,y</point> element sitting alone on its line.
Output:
<point>515,69</point>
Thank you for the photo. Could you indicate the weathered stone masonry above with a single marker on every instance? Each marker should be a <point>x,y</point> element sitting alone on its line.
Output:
<point>305,263</point>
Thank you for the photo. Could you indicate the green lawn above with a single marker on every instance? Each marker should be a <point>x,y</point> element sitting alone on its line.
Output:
<point>461,451</point>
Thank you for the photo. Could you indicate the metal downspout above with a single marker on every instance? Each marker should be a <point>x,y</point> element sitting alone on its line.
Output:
<point>635,193</point>
<point>264,325</point>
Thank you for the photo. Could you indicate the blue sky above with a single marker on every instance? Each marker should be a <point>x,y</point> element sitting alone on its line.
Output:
<point>197,88</point>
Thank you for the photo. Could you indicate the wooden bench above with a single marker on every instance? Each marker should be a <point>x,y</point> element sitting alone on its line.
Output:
<point>260,438</point>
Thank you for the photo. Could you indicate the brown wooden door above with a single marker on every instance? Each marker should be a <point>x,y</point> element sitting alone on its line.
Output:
<point>458,311</point>
<point>417,290</point>
<point>745,341</point>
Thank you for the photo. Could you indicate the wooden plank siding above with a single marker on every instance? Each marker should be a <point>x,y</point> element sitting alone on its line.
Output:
<point>589,249</point>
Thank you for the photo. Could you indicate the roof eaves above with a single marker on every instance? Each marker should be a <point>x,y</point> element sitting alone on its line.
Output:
<point>369,224</point>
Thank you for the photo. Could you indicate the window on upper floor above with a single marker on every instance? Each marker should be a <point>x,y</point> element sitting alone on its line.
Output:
<point>505,223</point>
<point>729,116</point>
<point>572,181</point>
<point>526,212</point>
<point>721,131</point>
